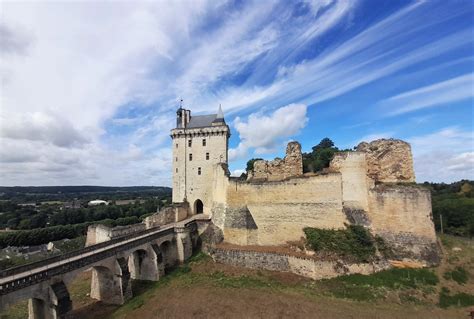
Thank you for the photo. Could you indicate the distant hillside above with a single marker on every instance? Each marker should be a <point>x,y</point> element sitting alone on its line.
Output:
<point>45,193</point>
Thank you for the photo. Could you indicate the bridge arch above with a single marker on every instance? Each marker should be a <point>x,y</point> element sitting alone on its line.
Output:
<point>143,264</point>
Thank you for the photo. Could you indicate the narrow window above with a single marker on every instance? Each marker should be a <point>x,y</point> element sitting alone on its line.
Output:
<point>199,171</point>
<point>190,157</point>
<point>190,142</point>
<point>176,170</point>
<point>207,156</point>
<point>204,142</point>
<point>176,145</point>
<point>176,159</point>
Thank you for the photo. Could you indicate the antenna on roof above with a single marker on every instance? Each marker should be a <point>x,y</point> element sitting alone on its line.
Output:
<point>181,103</point>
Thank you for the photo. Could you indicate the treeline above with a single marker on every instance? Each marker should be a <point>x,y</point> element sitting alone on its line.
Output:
<point>53,193</point>
<point>45,235</point>
<point>454,205</point>
<point>14,216</point>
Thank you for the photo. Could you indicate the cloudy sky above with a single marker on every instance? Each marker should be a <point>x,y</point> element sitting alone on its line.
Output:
<point>89,89</point>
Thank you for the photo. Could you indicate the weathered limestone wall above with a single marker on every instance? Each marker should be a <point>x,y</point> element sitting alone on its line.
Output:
<point>355,184</point>
<point>389,160</point>
<point>171,214</point>
<point>100,233</point>
<point>307,267</point>
<point>279,169</point>
<point>266,213</point>
<point>402,216</point>
<point>272,213</point>
<point>208,148</point>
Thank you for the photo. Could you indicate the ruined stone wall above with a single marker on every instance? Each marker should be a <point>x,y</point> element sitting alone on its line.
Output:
<point>307,267</point>
<point>167,215</point>
<point>100,233</point>
<point>402,216</point>
<point>270,213</point>
<point>273,213</point>
<point>388,160</point>
<point>279,169</point>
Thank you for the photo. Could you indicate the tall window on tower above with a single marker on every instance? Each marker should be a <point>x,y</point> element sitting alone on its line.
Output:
<point>190,157</point>
<point>203,142</point>
<point>207,156</point>
<point>190,142</point>
<point>199,171</point>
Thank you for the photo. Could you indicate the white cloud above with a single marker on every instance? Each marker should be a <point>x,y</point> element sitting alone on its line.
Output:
<point>38,126</point>
<point>443,156</point>
<point>69,88</point>
<point>263,132</point>
<point>449,91</point>
<point>237,172</point>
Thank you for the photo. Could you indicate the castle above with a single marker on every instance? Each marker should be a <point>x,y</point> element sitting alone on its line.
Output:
<point>372,186</point>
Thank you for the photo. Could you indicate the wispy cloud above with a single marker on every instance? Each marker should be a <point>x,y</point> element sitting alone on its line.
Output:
<point>452,90</point>
<point>444,155</point>
<point>108,58</point>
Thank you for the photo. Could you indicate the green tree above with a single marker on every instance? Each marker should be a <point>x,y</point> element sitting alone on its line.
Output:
<point>250,163</point>
<point>320,157</point>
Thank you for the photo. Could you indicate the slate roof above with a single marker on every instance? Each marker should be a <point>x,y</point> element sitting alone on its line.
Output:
<point>201,120</point>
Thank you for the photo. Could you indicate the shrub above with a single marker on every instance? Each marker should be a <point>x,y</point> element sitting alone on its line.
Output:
<point>460,299</point>
<point>459,275</point>
<point>353,243</point>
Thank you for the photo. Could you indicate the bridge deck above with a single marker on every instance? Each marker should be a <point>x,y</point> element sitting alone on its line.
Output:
<point>22,276</point>
<point>81,256</point>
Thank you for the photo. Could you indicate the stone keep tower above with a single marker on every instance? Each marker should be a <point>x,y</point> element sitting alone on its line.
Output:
<point>199,143</point>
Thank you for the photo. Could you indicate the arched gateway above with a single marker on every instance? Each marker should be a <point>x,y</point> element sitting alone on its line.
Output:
<point>198,207</point>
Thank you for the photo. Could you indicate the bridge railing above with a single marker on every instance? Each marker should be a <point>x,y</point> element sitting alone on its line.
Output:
<point>38,276</point>
<point>50,260</point>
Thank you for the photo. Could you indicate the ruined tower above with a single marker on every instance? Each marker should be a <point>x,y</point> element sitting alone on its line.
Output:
<point>199,143</point>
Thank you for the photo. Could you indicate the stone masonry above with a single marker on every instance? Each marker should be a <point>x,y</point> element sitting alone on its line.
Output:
<point>388,160</point>
<point>277,201</point>
<point>279,169</point>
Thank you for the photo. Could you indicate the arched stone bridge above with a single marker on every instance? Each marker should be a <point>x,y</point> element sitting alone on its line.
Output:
<point>144,255</point>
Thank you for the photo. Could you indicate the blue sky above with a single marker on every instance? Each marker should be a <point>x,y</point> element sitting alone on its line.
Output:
<point>89,90</point>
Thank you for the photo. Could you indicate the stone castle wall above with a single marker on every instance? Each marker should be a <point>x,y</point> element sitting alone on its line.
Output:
<point>100,233</point>
<point>402,216</point>
<point>353,169</point>
<point>279,169</point>
<point>307,267</point>
<point>167,215</point>
<point>272,213</point>
<point>266,213</point>
<point>388,160</point>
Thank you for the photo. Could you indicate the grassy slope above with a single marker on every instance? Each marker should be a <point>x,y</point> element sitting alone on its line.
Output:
<point>389,294</point>
<point>204,289</point>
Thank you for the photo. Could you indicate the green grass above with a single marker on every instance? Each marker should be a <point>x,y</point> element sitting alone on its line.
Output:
<point>459,275</point>
<point>460,299</point>
<point>370,287</point>
<point>16,311</point>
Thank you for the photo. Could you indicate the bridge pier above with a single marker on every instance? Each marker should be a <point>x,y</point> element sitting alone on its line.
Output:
<point>144,264</point>
<point>56,303</point>
<point>112,287</point>
<point>184,243</point>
